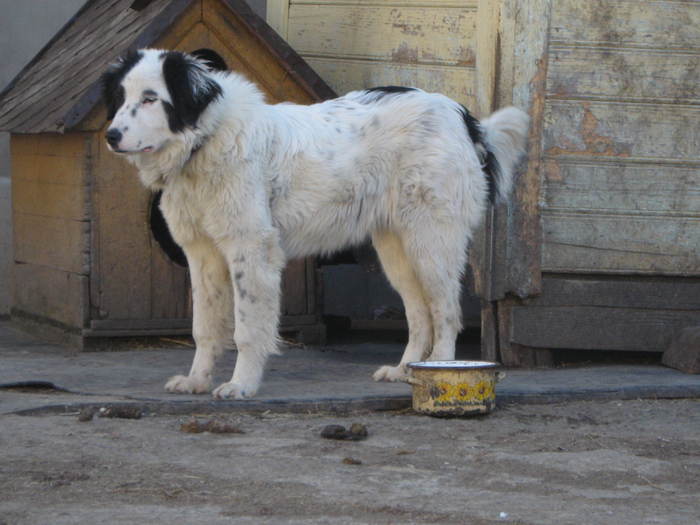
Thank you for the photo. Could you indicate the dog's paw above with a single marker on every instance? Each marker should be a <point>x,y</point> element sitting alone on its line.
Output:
<point>233,390</point>
<point>391,373</point>
<point>187,385</point>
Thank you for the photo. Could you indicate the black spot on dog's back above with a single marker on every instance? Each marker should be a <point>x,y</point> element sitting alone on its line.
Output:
<point>383,91</point>
<point>486,156</point>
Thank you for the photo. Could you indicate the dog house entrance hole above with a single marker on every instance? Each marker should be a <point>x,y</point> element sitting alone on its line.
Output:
<point>161,233</point>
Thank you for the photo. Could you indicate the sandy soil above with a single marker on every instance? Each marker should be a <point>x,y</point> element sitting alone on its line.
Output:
<point>632,462</point>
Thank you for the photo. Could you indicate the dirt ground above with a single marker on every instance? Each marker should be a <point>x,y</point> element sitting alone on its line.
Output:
<point>617,462</point>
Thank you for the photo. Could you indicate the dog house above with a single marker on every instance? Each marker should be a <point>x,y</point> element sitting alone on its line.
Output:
<point>600,247</point>
<point>92,254</point>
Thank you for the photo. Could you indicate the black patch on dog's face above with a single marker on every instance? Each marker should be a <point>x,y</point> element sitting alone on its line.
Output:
<point>191,90</point>
<point>112,90</point>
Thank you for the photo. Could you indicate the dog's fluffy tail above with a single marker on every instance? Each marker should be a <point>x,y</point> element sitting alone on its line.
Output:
<point>504,134</point>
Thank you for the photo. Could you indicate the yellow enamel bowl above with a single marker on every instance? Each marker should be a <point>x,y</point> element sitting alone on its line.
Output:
<point>454,388</point>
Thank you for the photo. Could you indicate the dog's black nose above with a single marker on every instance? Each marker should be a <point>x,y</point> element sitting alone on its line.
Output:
<point>114,137</point>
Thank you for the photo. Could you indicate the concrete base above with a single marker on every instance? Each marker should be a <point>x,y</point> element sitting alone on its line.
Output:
<point>336,377</point>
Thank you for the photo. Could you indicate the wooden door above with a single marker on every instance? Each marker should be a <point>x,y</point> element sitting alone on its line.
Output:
<point>601,247</point>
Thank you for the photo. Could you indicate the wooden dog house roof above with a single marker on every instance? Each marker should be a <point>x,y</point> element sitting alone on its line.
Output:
<point>59,88</point>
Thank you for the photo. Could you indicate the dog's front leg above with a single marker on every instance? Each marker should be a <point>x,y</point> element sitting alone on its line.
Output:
<point>255,265</point>
<point>212,319</point>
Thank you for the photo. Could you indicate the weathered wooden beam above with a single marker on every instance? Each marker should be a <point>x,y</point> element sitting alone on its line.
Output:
<point>684,351</point>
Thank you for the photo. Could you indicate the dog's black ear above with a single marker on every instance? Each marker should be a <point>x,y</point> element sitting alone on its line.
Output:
<point>112,90</point>
<point>191,90</point>
<point>211,58</point>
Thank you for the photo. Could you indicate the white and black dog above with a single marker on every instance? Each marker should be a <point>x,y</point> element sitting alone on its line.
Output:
<point>247,186</point>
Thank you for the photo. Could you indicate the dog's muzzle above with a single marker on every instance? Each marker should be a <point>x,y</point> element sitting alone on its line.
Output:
<point>114,137</point>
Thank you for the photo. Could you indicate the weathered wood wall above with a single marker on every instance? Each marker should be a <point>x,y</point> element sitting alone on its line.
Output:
<point>365,43</point>
<point>50,205</point>
<point>617,159</point>
<point>621,177</point>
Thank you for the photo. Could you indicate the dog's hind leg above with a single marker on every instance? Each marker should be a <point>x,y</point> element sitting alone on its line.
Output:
<point>401,275</point>
<point>212,325</point>
<point>256,268</point>
<point>438,254</point>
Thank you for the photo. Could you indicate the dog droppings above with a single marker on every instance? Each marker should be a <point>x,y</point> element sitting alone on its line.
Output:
<point>357,432</point>
<point>86,414</point>
<point>121,412</point>
<point>351,461</point>
<point>213,426</point>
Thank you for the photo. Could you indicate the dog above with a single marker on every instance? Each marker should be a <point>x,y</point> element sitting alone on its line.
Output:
<point>247,186</point>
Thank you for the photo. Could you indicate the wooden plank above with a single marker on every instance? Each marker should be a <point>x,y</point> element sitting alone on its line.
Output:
<point>480,251</point>
<point>54,242</point>
<point>619,187</point>
<point>507,352</point>
<point>580,242</point>
<point>49,200</point>
<point>48,169</point>
<point>277,16</point>
<point>297,320</point>
<point>591,328</point>
<point>516,233</point>
<point>48,173</point>
<point>311,292</point>
<point>487,22</point>
<point>669,24</point>
<point>639,131</point>
<point>51,293</point>
<point>624,74</point>
<point>146,332</point>
<point>47,145</point>
<point>294,288</point>
<point>392,3</point>
<point>297,68</point>
<point>140,324</point>
<point>255,58</point>
<point>348,75</point>
<point>122,241</point>
<point>650,293</point>
<point>413,35</point>
<point>489,332</point>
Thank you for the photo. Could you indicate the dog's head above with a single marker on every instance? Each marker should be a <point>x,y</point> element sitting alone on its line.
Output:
<point>153,95</point>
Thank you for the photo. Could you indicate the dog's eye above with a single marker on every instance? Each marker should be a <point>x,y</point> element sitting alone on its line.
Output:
<point>149,100</point>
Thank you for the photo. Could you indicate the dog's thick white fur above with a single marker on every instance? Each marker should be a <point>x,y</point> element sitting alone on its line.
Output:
<point>247,186</point>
